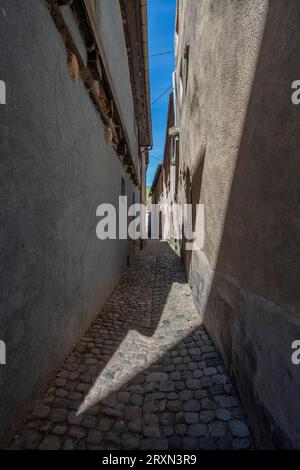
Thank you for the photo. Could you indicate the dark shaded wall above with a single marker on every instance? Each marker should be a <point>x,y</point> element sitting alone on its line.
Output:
<point>56,168</point>
<point>240,142</point>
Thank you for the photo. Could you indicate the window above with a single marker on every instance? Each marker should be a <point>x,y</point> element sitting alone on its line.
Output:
<point>186,63</point>
<point>180,84</point>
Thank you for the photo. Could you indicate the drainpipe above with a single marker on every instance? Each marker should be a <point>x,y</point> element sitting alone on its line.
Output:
<point>144,23</point>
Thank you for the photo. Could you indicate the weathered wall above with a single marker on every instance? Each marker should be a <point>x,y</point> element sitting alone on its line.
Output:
<point>240,143</point>
<point>111,30</point>
<point>56,168</point>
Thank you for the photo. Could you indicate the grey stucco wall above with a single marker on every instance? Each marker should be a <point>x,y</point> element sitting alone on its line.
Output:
<point>56,168</point>
<point>240,143</point>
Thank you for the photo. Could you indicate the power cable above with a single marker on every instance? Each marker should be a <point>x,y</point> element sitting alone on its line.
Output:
<point>161,96</point>
<point>162,53</point>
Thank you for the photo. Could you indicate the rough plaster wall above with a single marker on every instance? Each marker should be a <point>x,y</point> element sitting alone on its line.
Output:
<point>56,168</point>
<point>240,141</point>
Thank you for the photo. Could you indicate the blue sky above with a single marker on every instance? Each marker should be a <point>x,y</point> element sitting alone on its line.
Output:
<point>161,14</point>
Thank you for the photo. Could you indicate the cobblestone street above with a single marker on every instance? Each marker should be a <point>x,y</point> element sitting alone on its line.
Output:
<point>145,376</point>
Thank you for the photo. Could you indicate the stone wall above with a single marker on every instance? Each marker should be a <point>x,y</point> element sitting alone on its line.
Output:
<point>56,168</point>
<point>239,146</point>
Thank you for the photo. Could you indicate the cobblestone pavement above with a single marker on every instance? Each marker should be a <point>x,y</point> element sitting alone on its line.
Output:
<point>145,376</point>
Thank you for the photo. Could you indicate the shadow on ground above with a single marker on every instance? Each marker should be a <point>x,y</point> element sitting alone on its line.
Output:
<point>145,376</point>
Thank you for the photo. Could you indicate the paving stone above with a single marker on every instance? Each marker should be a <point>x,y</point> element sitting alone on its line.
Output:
<point>68,444</point>
<point>210,371</point>
<point>213,361</point>
<point>136,399</point>
<point>112,412</point>
<point>226,402</point>
<point>157,377</point>
<point>136,426</point>
<point>175,443</point>
<point>151,419</point>
<point>119,427</point>
<point>150,407</point>
<point>217,429</point>
<point>41,412</point>
<point>199,394</point>
<point>216,389</point>
<point>179,417</point>
<point>238,428</point>
<point>58,415</point>
<point>186,395</point>
<point>76,432</point>
<point>174,376</point>
<point>166,419</point>
<point>206,416</point>
<point>30,440</point>
<point>130,441</point>
<point>124,397</point>
<point>167,386</point>
<point>198,374</point>
<point>223,414</point>
<point>206,382</point>
<point>241,444</point>
<point>207,443</point>
<point>73,418</point>
<point>195,351</point>
<point>180,386</point>
<point>59,430</point>
<point>191,418</point>
<point>180,429</point>
<point>89,422</point>
<point>187,375</point>
<point>154,444</point>
<point>224,443</point>
<point>208,404</point>
<point>168,431</point>
<point>174,405</point>
<point>113,437</point>
<point>190,443</point>
<point>151,431</point>
<point>197,430</point>
<point>221,379</point>
<point>50,443</point>
<point>94,437</point>
<point>191,405</point>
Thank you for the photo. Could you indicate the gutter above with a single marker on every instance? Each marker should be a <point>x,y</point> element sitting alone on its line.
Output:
<point>144,24</point>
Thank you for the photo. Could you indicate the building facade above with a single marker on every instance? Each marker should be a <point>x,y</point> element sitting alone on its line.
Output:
<point>239,145</point>
<point>75,133</point>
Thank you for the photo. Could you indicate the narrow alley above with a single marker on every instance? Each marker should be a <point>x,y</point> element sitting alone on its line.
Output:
<point>145,376</point>
<point>150,229</point>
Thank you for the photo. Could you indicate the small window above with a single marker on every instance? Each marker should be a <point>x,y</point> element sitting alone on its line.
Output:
<point>180,84</point>
<point>187,60</point>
